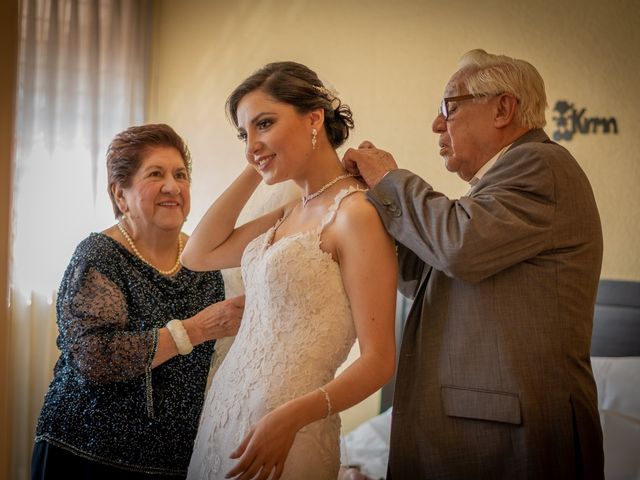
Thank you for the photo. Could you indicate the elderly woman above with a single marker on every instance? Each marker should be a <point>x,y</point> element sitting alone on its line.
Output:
<point>136,329</point>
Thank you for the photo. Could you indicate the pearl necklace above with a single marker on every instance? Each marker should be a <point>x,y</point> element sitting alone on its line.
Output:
<point>311,196</point>
<point>129,240</point>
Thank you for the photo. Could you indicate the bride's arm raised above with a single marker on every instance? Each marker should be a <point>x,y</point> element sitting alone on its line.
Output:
<point>216,243</point>
<point>369,270</point>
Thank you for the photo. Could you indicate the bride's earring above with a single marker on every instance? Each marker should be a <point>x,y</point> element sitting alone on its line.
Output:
<point>314,138</point>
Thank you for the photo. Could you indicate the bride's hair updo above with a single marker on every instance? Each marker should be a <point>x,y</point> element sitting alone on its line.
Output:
<point>300,87</point>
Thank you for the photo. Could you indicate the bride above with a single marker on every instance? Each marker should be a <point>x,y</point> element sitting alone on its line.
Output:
<point>319,272</point>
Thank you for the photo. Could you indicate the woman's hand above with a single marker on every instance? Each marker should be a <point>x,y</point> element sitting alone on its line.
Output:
<point>219,320</point>
<point>266,446</point>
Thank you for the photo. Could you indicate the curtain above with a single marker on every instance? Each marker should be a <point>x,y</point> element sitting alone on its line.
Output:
<point>82,78</point>
<point>33,352</point>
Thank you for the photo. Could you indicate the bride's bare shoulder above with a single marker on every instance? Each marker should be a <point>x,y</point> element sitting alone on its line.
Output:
<point>356,212</point>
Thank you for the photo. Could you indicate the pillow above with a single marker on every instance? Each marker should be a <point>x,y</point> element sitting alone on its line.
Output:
<point>618,382</point>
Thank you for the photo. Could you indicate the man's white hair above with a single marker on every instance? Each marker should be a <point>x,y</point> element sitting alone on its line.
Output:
<point>487,73</point>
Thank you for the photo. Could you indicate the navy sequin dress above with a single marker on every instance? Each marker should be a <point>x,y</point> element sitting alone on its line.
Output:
<point>105,403</point>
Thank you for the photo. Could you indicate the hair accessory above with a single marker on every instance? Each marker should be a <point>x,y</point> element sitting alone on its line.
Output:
<point>328,400</point>
<point>314,138</point>
<point>330,94</point>
<point>180,337</point>
<point>311,196</point>
<point>129,240</point>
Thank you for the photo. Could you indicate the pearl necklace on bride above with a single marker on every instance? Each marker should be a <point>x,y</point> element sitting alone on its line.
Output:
<point>311,196</point>
<point>129,240</point>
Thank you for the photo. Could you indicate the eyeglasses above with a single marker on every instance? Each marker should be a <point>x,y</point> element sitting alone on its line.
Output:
<point>444,104</point>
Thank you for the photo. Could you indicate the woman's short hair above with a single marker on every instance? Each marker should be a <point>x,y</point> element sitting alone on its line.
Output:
<point>128,148</point>
<point>488,73</point>
<point>300,87</point>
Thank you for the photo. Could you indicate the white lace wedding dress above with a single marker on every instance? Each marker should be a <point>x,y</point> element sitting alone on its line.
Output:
<point>296,331</point>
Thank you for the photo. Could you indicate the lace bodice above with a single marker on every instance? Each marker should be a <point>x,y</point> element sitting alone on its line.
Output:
<point>296,331</point>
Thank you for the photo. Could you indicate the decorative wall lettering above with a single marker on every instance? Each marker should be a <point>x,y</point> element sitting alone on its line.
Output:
<point>571,121</point>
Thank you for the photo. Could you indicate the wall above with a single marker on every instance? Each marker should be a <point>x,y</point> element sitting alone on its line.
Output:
<point>390,61</point>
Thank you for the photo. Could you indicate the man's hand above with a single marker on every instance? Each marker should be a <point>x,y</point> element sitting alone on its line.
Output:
<point>369,163</point>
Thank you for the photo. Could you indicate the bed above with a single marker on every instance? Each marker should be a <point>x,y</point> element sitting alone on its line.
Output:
<point>615,357</point>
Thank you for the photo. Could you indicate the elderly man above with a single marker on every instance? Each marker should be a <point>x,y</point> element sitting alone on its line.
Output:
<point>494,379</point>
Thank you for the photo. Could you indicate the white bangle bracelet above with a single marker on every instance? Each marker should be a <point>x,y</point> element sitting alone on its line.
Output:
<point>328,400</point>
<point>180,337</point>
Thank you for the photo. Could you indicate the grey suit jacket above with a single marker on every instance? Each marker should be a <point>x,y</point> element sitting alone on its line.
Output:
<point>494,378</point>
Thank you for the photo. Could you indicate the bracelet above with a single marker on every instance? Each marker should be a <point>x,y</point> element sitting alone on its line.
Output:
<point>328,399</point>
<point>180,337</point>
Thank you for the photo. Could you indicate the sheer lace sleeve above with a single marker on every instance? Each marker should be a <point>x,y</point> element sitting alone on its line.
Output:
<point>95,331</point>
<point>105,402</point>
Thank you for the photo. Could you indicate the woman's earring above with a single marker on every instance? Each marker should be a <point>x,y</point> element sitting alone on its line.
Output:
<point>314,138</point>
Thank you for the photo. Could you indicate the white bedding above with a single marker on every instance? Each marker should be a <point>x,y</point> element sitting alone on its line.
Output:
<point>367,446</point>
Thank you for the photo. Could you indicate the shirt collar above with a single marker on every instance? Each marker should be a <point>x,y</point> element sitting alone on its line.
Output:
<point>485,168</point>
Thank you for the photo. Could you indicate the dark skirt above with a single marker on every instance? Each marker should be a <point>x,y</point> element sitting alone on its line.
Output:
<point>50,462</point>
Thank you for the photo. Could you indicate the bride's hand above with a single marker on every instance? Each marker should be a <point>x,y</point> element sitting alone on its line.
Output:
<point>265,448</point>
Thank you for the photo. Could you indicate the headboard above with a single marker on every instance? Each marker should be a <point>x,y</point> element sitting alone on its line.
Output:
<point>616,325</point>
<point>616,321</point>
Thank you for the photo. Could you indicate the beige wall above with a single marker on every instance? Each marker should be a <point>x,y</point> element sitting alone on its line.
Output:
<point>390,61</point>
